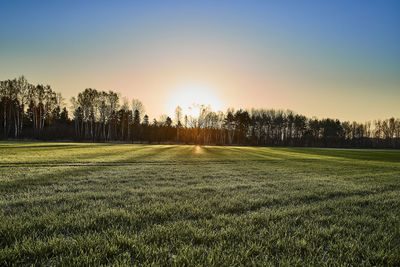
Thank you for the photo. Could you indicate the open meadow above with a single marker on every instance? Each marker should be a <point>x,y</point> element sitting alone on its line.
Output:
<point>103,204</point>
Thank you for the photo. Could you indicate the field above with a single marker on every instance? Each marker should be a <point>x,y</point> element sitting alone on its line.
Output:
<point>104,204</point>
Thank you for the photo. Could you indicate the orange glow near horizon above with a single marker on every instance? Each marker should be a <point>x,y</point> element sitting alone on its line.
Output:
<point>191,98</point>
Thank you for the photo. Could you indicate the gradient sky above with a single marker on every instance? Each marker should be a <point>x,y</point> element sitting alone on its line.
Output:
<point>339,59</point>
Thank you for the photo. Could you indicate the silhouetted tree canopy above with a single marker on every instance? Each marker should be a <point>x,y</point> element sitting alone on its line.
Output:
<point>37,112</point>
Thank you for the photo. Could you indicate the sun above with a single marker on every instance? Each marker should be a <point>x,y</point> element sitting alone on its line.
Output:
<point>191,98</point>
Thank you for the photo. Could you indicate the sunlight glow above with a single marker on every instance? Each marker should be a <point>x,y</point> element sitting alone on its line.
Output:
<point>198,149</point>
<point>190,99</point>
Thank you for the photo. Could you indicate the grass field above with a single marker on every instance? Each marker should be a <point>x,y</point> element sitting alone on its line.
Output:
<point>101,204</point>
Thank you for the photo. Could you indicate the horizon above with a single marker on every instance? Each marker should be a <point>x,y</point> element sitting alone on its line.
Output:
<point>338,60</point>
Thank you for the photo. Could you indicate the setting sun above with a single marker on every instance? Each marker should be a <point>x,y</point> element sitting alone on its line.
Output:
<point>191,98</point>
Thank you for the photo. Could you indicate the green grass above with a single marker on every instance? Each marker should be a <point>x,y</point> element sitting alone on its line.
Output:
<point>103,204</point>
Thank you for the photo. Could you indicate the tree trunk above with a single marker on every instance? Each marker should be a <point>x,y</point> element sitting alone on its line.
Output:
<point>5,119</point>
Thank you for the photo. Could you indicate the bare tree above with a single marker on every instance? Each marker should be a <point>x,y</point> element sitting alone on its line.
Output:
<point>178,118</point>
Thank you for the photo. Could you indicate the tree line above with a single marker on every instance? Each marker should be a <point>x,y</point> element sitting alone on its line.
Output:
<point>38,112</point>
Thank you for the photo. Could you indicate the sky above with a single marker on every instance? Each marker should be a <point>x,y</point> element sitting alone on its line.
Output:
<point>336,59</point>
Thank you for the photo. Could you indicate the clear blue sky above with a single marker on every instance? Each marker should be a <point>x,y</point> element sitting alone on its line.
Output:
<point>326,58</point>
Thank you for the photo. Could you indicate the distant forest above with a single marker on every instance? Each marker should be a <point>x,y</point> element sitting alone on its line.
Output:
<point>38,112</point>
